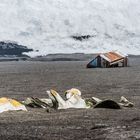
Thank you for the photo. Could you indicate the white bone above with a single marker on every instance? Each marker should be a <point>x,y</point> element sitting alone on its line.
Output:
<point>74,101</point>
<point>71,92</point>
<point>124,100</point>
<point>96,100</point>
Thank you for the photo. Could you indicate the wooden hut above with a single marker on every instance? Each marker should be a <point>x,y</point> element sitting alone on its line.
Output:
<point>107,60</point>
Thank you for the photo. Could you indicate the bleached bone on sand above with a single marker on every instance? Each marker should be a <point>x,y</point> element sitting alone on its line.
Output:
<point>73,101</point>
<point>125,102</point>
<point>10,104</point>
<point>96,100</point>
<point>48,101</point>
<point>36,102</point>
<point>71,92</point>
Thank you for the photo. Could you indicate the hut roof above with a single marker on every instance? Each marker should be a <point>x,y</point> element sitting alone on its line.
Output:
<point>113,56</point>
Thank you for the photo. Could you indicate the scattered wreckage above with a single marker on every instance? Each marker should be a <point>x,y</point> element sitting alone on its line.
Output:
<point>75,100</point>
<point>55,101</point>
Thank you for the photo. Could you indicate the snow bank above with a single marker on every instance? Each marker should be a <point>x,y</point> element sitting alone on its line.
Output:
<point>46,25</point>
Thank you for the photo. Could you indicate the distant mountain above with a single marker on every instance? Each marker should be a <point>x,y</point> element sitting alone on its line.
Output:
<point>12,48</point>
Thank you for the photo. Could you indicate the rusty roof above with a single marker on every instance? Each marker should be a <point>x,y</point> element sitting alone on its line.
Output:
<point>112,56</point>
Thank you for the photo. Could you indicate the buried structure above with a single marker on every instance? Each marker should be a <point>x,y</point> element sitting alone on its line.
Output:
<point>110,59</point>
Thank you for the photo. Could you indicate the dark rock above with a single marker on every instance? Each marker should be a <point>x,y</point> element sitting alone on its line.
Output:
<point>108,104</point>
<point>12,48</point>
<point>82,37</point>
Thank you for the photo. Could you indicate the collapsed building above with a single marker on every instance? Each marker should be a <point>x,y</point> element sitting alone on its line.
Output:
<point>109,59</point>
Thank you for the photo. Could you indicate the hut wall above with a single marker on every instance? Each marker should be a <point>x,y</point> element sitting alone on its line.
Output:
<point>125,61</point>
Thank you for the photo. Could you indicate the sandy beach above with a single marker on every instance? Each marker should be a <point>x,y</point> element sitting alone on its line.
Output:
<point>23,79</point>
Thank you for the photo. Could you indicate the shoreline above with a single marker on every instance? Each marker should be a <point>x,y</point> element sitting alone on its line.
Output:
<point>56,57</point>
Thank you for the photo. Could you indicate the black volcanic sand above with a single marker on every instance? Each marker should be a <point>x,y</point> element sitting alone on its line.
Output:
<point>20,80</point>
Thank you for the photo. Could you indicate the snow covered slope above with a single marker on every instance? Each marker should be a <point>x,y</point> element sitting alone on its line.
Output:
<point>47,25</point>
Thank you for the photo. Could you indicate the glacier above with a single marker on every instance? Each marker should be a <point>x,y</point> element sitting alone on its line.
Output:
<point>47,25</point>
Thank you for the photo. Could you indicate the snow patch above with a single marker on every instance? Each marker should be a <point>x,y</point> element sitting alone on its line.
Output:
<point>47,25</point>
